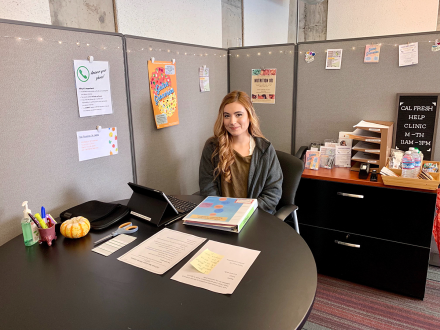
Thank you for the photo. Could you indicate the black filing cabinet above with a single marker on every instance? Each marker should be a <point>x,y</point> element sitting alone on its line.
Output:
<point>372,235</point>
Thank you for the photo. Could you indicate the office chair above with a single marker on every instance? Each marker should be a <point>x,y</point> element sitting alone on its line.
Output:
<point>292,168</point>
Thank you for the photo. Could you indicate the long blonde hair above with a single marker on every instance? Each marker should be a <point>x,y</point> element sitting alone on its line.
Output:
<point>224,149</point>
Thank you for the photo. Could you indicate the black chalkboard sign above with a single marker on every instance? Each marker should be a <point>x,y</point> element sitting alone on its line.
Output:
<point>416,122</point>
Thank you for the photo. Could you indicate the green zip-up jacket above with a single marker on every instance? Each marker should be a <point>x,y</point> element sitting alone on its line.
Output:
<point>265,175</point>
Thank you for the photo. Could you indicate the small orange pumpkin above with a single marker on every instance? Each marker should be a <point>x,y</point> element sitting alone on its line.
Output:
<point>75,228</point>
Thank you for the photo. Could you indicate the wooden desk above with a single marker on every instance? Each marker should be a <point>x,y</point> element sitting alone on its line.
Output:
<point>67,286</point>
<point>367,232</point>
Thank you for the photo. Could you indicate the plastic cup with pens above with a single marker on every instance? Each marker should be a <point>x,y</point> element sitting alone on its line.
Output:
<point>46,227</point>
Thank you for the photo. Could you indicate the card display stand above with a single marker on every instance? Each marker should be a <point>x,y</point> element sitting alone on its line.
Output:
<point>373,145</point>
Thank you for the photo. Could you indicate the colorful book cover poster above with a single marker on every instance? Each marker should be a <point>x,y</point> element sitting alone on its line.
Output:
<point>263,85</point>
<point>372,53</point>
<point>163,91</point>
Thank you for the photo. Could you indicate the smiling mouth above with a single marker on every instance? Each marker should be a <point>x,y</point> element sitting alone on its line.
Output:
<point>234,127</point>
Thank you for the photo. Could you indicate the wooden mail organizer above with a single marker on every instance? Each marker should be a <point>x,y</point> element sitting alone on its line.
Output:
<point>366,232</point>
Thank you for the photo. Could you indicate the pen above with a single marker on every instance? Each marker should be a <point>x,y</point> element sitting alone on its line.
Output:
<point>40,220</point>
<point>51,219</point>
<point>43,215</point>
<point>34,220</point>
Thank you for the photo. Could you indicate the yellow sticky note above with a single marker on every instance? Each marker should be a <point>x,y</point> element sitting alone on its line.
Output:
<point>206,261</point>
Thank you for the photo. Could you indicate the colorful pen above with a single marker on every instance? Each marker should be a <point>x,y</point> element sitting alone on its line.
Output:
<point>40,220</point>
<point>34,220</point>
<point>43,215</point>
<point>51,219</point>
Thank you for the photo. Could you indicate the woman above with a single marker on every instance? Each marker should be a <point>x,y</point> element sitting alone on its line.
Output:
<point>238,161</point>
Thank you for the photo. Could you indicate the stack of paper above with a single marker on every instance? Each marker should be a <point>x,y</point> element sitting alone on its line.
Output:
<point>223,213</point>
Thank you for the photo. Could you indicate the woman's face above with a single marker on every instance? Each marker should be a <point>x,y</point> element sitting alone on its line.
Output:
<point>235,119</point>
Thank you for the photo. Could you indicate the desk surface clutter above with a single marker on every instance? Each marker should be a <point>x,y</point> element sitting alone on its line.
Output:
<point>86,290</point>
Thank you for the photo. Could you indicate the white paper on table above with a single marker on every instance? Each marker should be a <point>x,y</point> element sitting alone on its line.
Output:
<point>162,251</point>
<point>226,275</point>
<point>93,88</point>
<point>409,54</point>
<point>114,244</point>
<point>94,143</point>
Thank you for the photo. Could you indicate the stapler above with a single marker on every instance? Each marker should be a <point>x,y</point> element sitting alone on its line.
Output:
<point>364,171</point>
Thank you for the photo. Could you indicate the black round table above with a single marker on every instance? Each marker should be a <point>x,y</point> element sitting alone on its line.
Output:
<point>66,286</point>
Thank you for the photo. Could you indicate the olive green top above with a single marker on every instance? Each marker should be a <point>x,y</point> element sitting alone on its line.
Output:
<point>239,176</point>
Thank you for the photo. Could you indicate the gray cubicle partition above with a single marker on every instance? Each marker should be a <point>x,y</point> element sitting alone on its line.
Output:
<point>330,101</point>
<point>277,120</point>
<point>168,158</point>
<point>39,119</point>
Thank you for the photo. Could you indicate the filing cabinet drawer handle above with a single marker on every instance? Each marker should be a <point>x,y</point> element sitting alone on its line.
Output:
<point>350,195</point>
<point>348,244</point>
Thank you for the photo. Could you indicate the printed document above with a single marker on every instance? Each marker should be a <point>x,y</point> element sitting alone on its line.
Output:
<point>227,273</point>
<point>409,54</point>
<point>162,251</point>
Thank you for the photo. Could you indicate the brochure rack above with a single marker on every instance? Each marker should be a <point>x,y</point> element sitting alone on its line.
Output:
<point>375,138</point>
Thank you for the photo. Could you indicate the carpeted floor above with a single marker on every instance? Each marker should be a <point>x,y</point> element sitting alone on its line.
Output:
<point>342,305</point>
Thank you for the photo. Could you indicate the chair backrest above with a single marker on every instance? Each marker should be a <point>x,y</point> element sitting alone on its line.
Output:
<point>292,168</point>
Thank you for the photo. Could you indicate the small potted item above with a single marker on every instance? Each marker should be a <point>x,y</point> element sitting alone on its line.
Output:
<point>47,230</point>
<point>76,227</point>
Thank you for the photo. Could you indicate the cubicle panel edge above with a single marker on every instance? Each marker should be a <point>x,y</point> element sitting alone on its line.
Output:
<point>40,118</point>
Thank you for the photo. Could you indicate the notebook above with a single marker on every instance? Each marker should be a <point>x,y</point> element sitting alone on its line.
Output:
<point>155,207</point>
<point>222,213</point>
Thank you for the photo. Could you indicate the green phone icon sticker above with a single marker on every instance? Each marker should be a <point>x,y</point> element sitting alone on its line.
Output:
<point>83,73</point>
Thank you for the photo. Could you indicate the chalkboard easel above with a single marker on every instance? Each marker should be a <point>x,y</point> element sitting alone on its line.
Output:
<point>416,123</point>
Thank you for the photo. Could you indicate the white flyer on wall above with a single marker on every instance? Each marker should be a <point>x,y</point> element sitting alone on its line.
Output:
<point>334,59</point>
<point>409,54</point>
<point>93,144</point>
<point>93,88</point>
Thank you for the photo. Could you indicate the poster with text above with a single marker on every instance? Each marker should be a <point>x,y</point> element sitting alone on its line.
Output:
<point>93,144</point>
<point>263,85</point>
<point>409,54</point>
<point>163,91</point>
<point>372,53</point>
<point>93,88</point>
<point>334,59</point>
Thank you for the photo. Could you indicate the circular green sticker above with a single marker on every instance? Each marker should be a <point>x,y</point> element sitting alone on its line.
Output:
<point>83,73</point>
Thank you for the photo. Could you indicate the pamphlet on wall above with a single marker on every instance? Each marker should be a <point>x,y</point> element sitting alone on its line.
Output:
<point>409,54</point>
<point>163,92</point>
<point>93,144</point>
<point>93,88</point>
<point>204,79</point>
<point>263,85</point>
<point>334,59</point>
<point>372,53</point>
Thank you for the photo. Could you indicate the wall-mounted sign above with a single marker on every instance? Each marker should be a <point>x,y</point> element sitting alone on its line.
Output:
<point>263,85</point>
<point>163,91</point>
<point>416,122</point>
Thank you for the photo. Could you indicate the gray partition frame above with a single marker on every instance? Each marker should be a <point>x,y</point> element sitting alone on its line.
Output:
<point>168,159</point>
<point>41,165</point>
<point>330,101</point>
<point>277,120</point>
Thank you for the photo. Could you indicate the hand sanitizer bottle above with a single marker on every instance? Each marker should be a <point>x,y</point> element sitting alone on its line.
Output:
<point>26,226</point>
